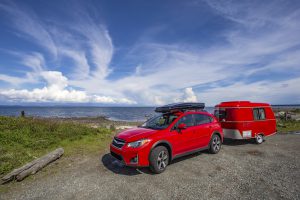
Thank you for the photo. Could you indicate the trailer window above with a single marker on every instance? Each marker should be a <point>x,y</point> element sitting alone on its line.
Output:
<point>220,114</point>
<point>259,114</point>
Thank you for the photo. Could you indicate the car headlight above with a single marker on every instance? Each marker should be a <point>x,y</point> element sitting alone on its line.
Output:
<point>138,143</point>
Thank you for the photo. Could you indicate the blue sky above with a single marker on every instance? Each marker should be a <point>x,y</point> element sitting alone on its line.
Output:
<point>149,52</point>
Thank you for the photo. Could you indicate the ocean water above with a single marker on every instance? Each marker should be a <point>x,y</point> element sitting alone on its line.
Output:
<point>113,113</point>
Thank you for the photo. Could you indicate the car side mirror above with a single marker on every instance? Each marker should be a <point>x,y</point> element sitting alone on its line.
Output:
<point>181,126</point>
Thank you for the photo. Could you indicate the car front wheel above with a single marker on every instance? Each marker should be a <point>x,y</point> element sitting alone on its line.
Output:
<point>159,159</point>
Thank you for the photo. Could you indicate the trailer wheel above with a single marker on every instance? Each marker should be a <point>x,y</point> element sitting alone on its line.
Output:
<point>259,138</point>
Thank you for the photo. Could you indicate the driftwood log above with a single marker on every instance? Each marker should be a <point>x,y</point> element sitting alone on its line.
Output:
<point>34,166</point>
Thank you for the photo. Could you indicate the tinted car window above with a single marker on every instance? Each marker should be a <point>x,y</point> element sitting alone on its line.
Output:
<point>187,120</point>
<point>202,119</point>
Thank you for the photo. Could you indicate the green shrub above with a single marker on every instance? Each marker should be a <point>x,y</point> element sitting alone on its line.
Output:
<point>24,139</point>
<point>284,126</point>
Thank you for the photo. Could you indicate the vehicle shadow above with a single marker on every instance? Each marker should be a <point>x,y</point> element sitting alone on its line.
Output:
<point>117,167</point>
<point>232,142</point>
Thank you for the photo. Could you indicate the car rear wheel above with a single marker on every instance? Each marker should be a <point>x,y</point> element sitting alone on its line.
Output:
<point>215,144</point>
<point>159,159</point>
<point>259,138</point>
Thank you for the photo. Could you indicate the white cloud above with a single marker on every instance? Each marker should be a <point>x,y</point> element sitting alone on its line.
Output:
<point>189,95</point>
<point>56,91</point>
<point>46,94</point>
<point>262,91</point>
<point>55,79</point>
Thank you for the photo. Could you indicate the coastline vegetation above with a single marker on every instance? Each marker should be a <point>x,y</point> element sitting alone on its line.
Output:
<point>24,139</point>
<point>288,120</point>
<point>285,126</point>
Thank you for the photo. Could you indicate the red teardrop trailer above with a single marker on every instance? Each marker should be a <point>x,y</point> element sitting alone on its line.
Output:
<point>246,120</point>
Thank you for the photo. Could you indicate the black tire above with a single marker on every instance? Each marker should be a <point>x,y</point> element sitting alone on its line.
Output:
<point>259,138</point>
<point>215,144</point>
<point>159,159</point>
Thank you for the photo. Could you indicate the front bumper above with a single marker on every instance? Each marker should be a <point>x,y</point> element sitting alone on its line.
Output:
<point>135,157</point>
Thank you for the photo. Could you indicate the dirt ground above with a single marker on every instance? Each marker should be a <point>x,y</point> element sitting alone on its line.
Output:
<point>241,170</point>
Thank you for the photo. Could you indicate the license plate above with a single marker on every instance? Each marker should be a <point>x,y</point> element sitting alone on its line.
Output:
<point>247,134</point>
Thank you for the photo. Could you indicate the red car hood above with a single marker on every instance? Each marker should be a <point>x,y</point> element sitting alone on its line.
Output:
<point>134,134</point>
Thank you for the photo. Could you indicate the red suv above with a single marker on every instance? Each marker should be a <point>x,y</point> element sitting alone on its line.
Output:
<point>178,130</point>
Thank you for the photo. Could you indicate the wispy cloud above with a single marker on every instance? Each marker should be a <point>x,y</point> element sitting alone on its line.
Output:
<point>82,68</point>
<point>12,79</point>
<point>29,25</point>
<point>32,63</point>
<point>264,91</point>
<point>88,45</point>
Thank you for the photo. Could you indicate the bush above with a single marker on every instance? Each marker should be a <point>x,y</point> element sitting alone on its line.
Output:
<point>24,139</point>
<point>288,125</point>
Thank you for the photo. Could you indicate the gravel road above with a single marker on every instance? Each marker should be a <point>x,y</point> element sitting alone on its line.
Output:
<point>241,170</point>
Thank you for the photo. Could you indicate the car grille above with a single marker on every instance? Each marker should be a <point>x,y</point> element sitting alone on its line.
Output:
<point>119,143</point>
<point>118,157</point>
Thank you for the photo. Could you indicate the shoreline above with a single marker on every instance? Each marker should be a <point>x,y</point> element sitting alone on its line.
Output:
<point>94,122</point>
<point>286,118</point>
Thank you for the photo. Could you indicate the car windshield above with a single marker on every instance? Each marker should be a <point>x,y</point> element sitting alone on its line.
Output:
<point>159,122</point>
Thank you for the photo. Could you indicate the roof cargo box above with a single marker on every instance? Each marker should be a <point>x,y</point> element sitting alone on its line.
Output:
<point>180,107</point>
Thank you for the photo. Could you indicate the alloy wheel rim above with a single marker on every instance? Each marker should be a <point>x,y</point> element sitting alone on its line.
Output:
<point>162,160</point>
<point>216,144</point>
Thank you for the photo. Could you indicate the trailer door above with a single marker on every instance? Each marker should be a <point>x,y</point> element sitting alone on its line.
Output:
<point>260,122</point>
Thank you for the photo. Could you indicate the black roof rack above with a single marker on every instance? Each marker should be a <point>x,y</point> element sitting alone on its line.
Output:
<point>180,107</point>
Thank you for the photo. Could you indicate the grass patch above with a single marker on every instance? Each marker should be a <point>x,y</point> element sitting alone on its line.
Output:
<point>284,126</point>
<point>297,110</point>
<point>24,139</point>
